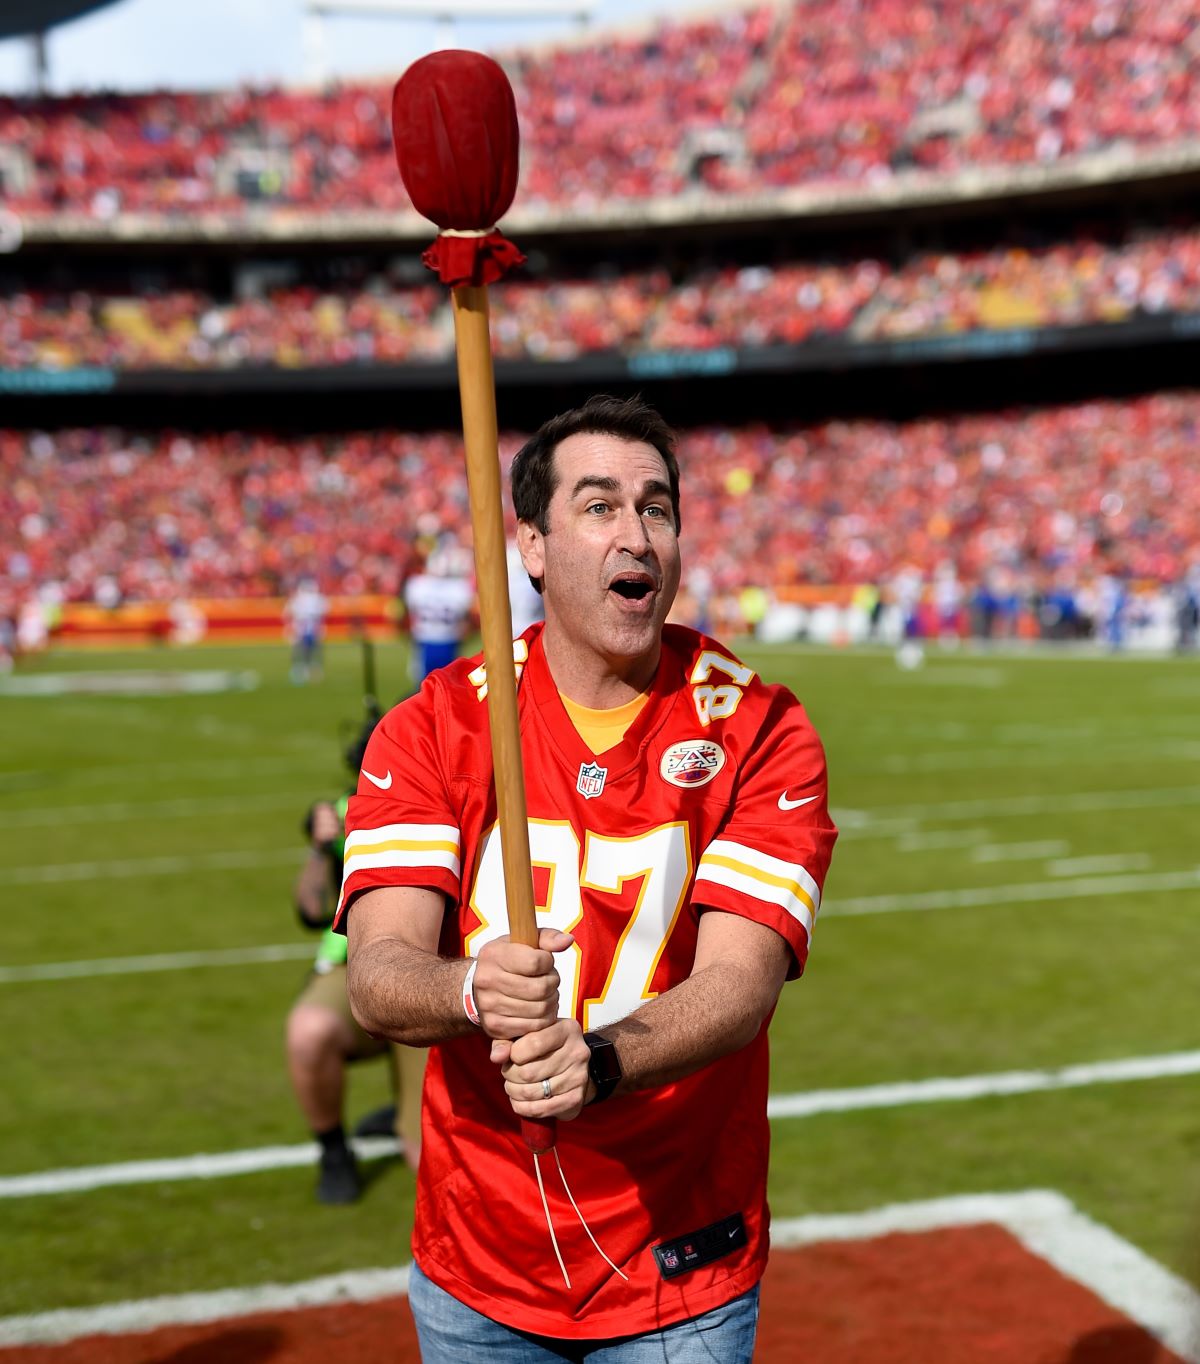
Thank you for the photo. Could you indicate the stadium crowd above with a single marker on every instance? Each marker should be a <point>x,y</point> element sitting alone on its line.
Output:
<point>1041,498</point>
<point>750,99</point>
<point>375,319</point>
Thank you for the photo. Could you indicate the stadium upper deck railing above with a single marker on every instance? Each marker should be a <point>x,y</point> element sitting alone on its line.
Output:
<point>1114,170</point>
<point>835,354</point>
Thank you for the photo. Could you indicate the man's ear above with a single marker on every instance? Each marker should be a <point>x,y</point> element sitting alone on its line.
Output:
<point>530,543</point>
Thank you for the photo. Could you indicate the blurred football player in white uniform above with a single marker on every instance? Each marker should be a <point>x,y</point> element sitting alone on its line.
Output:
<point>305,614</point>
<point>439,603</point>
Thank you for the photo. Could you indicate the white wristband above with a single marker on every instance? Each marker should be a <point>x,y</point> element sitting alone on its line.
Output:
<point>468,997</point>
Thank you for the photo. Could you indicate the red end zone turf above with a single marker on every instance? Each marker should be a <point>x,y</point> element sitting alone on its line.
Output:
<point>971,1294</point>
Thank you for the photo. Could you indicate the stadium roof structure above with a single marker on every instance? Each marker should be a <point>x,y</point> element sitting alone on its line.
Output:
<point>453,9</point>
<point>18,18</point>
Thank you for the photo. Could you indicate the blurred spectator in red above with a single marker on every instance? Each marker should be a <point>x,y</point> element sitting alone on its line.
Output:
<point>377,321</point>
<point>1073,491</point>
<point>849,91</point>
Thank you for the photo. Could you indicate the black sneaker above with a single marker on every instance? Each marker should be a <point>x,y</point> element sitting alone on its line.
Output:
<point>338,1179</point>
<point>380,1122</point>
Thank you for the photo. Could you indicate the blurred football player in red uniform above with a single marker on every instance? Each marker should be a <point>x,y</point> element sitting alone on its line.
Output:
<point>680,836</point>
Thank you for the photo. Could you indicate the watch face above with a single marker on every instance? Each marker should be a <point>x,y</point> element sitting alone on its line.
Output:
<point>604,1062</point>
<point>604,1066</point>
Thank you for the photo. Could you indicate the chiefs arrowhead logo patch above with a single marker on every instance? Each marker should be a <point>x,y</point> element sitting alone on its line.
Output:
<point>692,763</point>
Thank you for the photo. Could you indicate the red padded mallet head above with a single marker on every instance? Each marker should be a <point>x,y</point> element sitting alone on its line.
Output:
<point>454,126</point>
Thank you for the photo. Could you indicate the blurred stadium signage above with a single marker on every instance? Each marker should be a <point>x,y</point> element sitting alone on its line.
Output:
<point>222,620</point>
<point>81,380</point>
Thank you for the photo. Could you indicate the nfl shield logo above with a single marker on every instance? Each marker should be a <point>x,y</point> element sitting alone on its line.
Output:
<point>670,1259</point>
<point>591,780</point>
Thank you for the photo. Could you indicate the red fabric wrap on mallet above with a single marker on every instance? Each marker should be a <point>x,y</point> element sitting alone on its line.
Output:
<point>454,126</point>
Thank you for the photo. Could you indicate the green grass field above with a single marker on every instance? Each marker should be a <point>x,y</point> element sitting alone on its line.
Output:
<point>1016,888</point>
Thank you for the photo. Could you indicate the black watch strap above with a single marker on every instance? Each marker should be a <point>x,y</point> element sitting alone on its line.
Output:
<point>604,1065</point>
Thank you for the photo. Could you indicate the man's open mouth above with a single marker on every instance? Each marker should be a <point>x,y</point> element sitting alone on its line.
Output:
<point>632,589</point>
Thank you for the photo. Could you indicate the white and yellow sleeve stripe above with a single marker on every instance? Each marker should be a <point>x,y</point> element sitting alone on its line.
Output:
<point>762,877</point>
<point>401,845</point>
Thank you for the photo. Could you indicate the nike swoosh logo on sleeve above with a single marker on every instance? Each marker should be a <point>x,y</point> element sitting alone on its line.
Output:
<point>784,803</point>
<point>382,782</point>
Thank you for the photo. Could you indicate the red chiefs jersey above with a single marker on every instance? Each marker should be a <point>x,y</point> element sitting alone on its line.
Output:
<point>715,798</point>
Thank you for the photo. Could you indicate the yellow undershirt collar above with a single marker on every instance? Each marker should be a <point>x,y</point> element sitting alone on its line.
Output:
<point>603,729</point>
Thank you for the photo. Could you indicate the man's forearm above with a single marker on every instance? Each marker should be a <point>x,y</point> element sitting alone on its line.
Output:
<point>717,1010</point>
<point>740,968</point>
<point>401,988</point>
<point>406,994</point>
<point>711,1014</point>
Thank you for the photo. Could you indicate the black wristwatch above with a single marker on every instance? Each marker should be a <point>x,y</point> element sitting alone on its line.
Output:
<point>604,1065</point>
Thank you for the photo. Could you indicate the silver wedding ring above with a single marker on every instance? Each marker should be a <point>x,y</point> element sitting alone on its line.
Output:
<point>545,1089</point>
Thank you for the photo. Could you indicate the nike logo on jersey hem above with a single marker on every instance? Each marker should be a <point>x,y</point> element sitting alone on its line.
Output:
<point>382,782</point>
<point>785,804</point>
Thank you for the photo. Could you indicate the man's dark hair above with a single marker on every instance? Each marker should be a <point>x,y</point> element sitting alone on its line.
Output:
<point>533,474</point>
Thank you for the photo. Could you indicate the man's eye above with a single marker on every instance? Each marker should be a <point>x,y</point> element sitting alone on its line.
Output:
<point>657,512</point>
<point>597,508</point>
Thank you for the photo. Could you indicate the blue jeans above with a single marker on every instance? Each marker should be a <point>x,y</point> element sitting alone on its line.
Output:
<point>451,1333</point>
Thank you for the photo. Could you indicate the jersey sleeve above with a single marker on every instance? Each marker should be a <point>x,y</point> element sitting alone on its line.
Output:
<point>400,827</point>
<point>769,859</point>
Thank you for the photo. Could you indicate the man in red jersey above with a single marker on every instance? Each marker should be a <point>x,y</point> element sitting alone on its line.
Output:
<point>680,836</point>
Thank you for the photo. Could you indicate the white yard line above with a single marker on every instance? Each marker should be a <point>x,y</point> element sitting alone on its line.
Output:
<point>970,897</point>
<point>1117,1272</point>
<point>1040,734</point>
<point>193,1309</point>
<point>1087,866</point>
<point>1046,1223</point>
<point>219,1165</point>
<point>180,773</point>
<point>145,682</point>
<point>963,1087</point>
<point>1011,759</point>
<point>899,819</point>
<point>80,1179</point>
<point>145,812</point>
<point>938,839</point>
<point>1053,1229</point>
<point>162,961</point>
<point>234,860</point>
<point>1020,852</point>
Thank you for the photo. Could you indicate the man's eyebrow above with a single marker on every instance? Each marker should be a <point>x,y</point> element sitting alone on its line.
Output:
<point>601,481</point>
<point>654,487</point>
